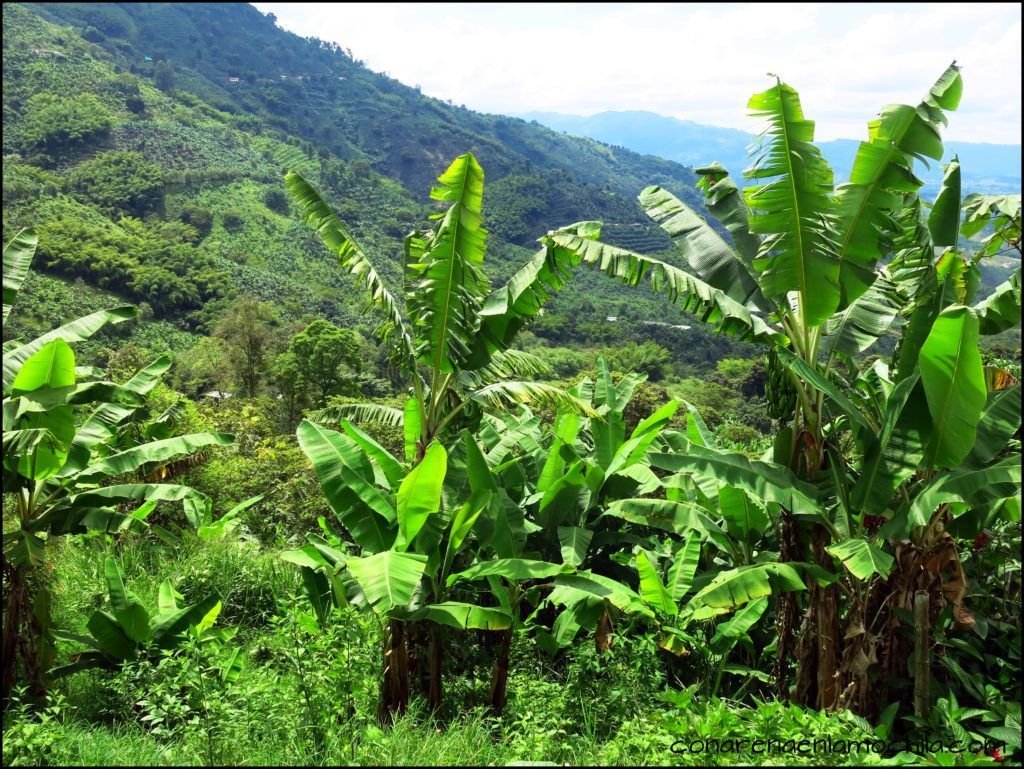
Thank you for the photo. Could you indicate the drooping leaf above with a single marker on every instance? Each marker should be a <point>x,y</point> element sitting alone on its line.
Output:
<point>99,425</point>
<point>465,616</point>
<point>156,451</point>
<point>388,579</point>
<point>743,515</point>
<point>1000,310</point>
<point>53,366</point>
<point>390,471</point>
<point>367,413</point>
<point>503,395</point>
<point>161,492</point>
<point>724,201</point>
<point>736,587</point>
<point>865,319</point>
<point>512,569</point>
<point>317,214</point>
<point>970,487</point>
<point>694,296</point>
<point>110,637</point>
<point>466,516</point>
<point>667,515</point>
<point>862,558</point>
<point>954,382</point>
<point>729,632</point>
<point>17,259</point>
<point>72,332</point>
<point>507,309</point>
<point>618,595</point>
<point>346,477</point>
<point>167,627</point>
<point>574,542</point>
<point>999,421</point>
<point>710,258</point>
<point>764,480</point>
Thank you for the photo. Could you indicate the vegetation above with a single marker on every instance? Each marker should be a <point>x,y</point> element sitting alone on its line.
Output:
<point>463,502</point>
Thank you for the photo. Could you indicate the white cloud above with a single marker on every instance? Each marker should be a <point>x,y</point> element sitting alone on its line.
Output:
<point>700,62</point>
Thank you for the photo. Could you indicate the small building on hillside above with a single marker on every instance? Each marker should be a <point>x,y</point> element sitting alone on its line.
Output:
<point>217,395</point>
<point>233,79</point>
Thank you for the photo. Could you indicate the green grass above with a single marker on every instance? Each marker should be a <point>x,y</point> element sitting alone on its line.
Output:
<point>307,695</point>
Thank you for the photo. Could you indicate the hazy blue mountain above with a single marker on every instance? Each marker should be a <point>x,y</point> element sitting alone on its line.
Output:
<point>986,167</point>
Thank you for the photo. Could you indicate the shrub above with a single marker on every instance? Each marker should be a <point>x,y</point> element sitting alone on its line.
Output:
<point>233,220</point>
<point>197,216</point>
<point>56,124</point>
<point>275,200</point>
<point>120,182</point>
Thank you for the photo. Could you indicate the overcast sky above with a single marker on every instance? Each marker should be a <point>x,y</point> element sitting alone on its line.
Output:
<point>697,62</point>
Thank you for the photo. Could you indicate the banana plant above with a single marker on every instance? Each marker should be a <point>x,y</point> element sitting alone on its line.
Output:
<point>129,631</point>
<point>409,527</point>
<point>452,340</point>
<point>60,464</point>
<point>810,258</point>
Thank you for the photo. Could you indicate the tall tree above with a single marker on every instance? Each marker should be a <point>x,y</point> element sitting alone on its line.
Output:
<point>322,351</point>
<point>247,330</point>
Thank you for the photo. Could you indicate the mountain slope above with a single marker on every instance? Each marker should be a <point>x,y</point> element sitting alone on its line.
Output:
<point>992,168</point>
<point>317,92</point>
<point>219,225</point>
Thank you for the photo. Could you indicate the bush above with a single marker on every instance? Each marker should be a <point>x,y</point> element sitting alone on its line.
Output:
<point>31,734</point>
<point>57,124</point>
<point>197,216</point>
<point>233,220</point>
<point>120,182</point>
<point>275,200</point>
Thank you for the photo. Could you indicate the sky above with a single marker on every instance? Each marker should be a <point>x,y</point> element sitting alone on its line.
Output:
<point>697,62</point>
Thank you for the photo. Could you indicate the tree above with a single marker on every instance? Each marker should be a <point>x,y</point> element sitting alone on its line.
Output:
<point>164,76</point>
<point>276,201</point>
<point>322,351</point>
<point>54,125</point>
<point>203,368</point>
<point>120,182</point>
<point>287,377</point>
<point>197,216</point>
<point>246,328</point>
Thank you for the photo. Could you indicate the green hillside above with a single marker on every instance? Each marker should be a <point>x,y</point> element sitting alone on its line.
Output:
<point>153,80</point>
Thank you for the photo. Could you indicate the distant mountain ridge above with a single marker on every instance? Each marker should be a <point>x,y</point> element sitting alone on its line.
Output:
<point>992,168</point>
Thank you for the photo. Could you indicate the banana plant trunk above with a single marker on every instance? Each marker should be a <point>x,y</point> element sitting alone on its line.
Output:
<point>819,652</point>
<point>789,611</point>
<point>24,635</point>
<point>435,694</point>
<point>394,687</point>
<point>14,602</point>
<point>922,663</point>
<point>499,674</point>
<point>603,636</point>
